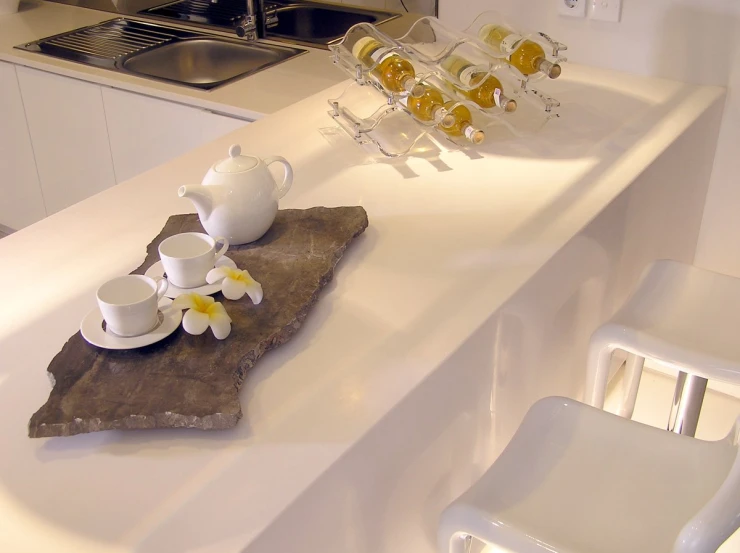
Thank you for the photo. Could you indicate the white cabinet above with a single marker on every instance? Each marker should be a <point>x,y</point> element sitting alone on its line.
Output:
<point>66,121</point>
<point>63,140</point>
<point>145,132</point>
<point>21,202</point>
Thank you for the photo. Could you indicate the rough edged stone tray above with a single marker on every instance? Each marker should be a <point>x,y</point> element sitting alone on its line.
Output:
<point>189,381</point>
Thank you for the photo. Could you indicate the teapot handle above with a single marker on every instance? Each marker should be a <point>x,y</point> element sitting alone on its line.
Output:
<point>284,186</point>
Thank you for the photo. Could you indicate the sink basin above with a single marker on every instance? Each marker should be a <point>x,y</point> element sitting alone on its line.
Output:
<point>294,21</point>
<point>204,61</point>
<point>314,24</point>
<point>166,53</point>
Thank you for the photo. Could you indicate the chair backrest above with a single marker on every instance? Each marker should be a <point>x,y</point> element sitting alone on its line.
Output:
<point>720,517</point>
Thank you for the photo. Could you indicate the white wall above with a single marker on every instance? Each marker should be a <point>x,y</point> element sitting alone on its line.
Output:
<point>695,41</point>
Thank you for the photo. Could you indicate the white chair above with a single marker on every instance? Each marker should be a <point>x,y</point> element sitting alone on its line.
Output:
<point>679,316</point>
<point>576,479</point>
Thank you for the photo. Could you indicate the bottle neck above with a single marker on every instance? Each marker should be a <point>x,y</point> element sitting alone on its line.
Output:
<point>410,85</point>
<point>442,117</point>
<point>508,105</point>
<point>476,136</point>
<point>549,68</point>
<point>499,100</point>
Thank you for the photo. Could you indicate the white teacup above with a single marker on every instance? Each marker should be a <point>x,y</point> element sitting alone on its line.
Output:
<point>188,257</point>
<point>129,303</point>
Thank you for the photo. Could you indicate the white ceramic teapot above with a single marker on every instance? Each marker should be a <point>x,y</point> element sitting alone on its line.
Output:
<point>239,197</point>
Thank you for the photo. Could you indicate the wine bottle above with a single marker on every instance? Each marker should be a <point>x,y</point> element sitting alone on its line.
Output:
<point>524,54</point>
<point>462,125</point>
<point>482,88</point>
<point>429,106</point>
<point>395,73</point>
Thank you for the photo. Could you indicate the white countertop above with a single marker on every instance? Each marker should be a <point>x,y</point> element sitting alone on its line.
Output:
<point>250,98</point>
<point>449,241</point>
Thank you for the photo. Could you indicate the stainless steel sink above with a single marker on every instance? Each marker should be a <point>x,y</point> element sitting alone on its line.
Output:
<point>203,61</point>
<point>316,24</point>
<point>294,21</point>
<point>164,53</point>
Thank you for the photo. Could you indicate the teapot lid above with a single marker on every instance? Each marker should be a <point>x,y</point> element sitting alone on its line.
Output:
<point>236,163</point>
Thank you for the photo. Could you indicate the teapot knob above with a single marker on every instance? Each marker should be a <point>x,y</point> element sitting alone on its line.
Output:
<point>235,150</point>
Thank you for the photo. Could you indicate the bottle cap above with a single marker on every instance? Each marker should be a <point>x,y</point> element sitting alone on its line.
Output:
<point>509,105</point>
<point>552,70</point>
<point>412,87</point>
<point>446,120</point>
<point>476,136</point>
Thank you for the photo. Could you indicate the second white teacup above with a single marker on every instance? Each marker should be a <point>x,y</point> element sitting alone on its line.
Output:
<point>188,257</point>
<point>129,303</point>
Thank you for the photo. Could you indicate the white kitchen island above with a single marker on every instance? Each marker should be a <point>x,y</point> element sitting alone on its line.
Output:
<point>471,294</point>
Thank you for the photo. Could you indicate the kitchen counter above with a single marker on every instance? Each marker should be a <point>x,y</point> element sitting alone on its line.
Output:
<point>452,238</point>
<point>248,98</point>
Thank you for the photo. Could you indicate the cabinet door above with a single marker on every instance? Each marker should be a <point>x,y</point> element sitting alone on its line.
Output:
<point>69,136</point>
<point>21,202</point>
<point>146,132</point>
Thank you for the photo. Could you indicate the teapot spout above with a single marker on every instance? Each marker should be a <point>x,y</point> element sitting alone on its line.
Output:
<point>200,196</point>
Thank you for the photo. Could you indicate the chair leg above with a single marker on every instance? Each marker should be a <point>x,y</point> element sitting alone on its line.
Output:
<point>461,522</point>
<point>458,543</point>
<point>687,402</point>
<point>597,373</point>
<point>632,376</point>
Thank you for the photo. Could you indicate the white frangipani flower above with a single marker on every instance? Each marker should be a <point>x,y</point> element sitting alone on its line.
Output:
<point>235,283</point>
<point>203,312</point>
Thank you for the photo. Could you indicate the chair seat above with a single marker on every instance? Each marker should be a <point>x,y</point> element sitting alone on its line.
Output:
<point>684,317</point>
<point>579,480</point>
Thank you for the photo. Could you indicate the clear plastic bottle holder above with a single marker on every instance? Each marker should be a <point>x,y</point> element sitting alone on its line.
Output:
<point>344,58</point>
<point>552,48</point>
<point>373,115</point>
<point>369,116</point>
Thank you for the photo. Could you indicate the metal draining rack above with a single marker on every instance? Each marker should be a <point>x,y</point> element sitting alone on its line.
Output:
<point>111,41</point>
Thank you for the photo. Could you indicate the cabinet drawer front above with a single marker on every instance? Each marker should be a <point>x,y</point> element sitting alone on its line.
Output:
<point>146,132</point>
<point>66,121</point>
<point>21,202</point>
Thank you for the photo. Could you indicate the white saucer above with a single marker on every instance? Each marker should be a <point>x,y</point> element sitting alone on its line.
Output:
<point>157,270</point>
<point>92,329</point>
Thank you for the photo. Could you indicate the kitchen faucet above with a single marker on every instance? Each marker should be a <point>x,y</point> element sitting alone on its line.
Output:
<point>246,27</point>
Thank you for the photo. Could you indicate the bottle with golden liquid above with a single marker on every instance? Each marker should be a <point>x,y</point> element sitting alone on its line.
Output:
<point>482,88</point>
<point>463,124</point>
<point>429,106</point>
<point>526,55</point>
<point>395,73</point>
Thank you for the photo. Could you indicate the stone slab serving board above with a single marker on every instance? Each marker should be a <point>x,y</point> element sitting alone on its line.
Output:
<point>189,381</point>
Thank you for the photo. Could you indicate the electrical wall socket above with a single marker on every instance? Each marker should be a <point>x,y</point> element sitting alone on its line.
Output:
<point>572,8</point>
<point>606,10</point>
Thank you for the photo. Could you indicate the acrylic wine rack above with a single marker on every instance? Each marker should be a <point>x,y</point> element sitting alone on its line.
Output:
<point>455,64</point>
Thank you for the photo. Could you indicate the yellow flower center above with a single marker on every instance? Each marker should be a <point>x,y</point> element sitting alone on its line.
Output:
<point>201,304</point>
<point>213,309</point>
<point>236,274</point>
